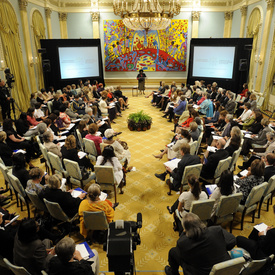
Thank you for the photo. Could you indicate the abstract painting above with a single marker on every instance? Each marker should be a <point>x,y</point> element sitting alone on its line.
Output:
<point>130,50</point>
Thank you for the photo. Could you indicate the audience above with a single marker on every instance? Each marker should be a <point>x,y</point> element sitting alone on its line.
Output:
<point>92,136</point>
<point>49,145</point>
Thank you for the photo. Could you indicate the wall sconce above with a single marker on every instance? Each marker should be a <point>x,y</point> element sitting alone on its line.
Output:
<point>33,61</point>
<point>2,65</point>
<point>258,59</point>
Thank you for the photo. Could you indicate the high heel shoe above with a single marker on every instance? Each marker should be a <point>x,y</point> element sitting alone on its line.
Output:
<point>158,156</point>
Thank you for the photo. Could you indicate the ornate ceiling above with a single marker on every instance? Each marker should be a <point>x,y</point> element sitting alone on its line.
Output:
<point>188,4</point>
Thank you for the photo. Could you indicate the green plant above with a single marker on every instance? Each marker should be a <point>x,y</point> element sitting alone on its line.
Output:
<point>139,119</point>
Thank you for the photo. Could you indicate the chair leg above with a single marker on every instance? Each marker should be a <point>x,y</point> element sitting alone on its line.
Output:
<point>253,216</point>
<point>243,214</point>
<point>16,196</point>
<point>267,205</point>
<point>260,206</point>
<point>115,193</point>
<point>82,186</point>
<point>21,205</point>
<point>231,225</point>
<point>28,209</point>
<point>170,188</point>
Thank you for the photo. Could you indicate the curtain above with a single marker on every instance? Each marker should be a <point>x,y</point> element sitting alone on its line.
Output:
<point>253,32</point>
<point>270,76</point>
<point>9,35</point>
<point>38,33</point>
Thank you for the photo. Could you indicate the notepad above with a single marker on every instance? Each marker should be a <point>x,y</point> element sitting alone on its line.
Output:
<point>76,120</point>
<point>261,227</point>
<point>211,149</point>
<point>210,188</point>
<point>244,173</point>
<point>19,151</point>
<point>81,154</point>
<point>83,251</point>
<point>12,220</point>
<point>172,164</point>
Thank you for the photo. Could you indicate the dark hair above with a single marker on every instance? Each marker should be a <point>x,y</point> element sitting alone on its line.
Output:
<point>208,96</point>
<point>108,153</point>
<point>235,141</point>
<point>52,117</point>
<point>185,148</point>
<point>18,161</point>
<point>76,96</point>
<point>245,86</point>
<point>27,231</point>
<point>195,186</point>
<point>270,158</point>
<point>257,168</point>
<point>226,183</point>
<point>63,108</point>
<point>23,116</point>
<point>217,105</point>
<point>93,128</point>
<point>30,112</point>
<point>186,134</point>
<point>258,115</point>
<point>81,125</point>
<point>56,112</point>
<point>7,124</point>
<point>37,105</point>
<point>47,121</point>
<point>247,105</point>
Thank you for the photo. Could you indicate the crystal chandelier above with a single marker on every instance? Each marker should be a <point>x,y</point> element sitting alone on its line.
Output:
<point>146,14</point>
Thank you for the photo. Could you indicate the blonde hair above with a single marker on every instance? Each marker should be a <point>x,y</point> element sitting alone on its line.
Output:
<point>70,142</point>
<point>54,181</point>
<point>3,136</point>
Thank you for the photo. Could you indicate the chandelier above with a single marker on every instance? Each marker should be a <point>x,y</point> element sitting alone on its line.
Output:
<point>146,14</point>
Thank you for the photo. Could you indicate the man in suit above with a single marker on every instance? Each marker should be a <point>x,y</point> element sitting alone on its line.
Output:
<point>210,164</point>
<point>199,247</point>
<point>177,173</point>
<point>231,104</point>
<point>269,170</point>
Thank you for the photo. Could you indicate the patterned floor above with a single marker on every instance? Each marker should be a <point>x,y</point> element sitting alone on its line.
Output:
<point>146,194</point>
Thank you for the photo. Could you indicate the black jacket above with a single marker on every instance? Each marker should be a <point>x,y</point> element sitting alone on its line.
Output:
<point>269,172</point>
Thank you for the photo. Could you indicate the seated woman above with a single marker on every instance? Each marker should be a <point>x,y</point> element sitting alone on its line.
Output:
<point>216,114</point>
<point>70,261</point>
<point>267,149</point>
<point>38,113</point>
<point>30,117</point>
<point>69,152</point>
<point>105,109</point>
<point>49,145</point>
<point>5,151</point>
<point>173,151</point>
<point>233,143</point>
<point>123,100</point>
<point>183,204</point>
<point>19,169</point>
<point>53,193</point>
<point>108,158</point>
<point>260,140</point>
<point>120,151</point>
<point>63,116</point>
<point>92,136</point>
<point>34,183</point>
<point>254,177</point>
<point>194,131</point>
<point>69,111</point>
<point>255,127</point>
<point>245,114</point>
<point>15,141</point>
<point>225,187</point>
<point>193,115</point>
<point>94,204</point>
<point>83,128</point>
<point>29,251</point>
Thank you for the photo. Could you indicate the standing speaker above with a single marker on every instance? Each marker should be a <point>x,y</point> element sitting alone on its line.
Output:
<point>46,65</point>
<point>243,65</point>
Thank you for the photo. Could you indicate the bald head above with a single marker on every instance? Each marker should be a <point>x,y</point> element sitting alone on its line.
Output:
<point>221,143</point>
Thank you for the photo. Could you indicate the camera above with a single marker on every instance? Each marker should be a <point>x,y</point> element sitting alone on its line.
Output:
<point>9,77</point>
<point>122,240</point>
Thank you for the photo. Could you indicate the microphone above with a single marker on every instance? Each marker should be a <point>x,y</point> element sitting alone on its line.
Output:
<point>139,220</point>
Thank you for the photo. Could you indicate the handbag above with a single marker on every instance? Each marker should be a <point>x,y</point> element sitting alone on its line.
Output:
<point>84,173</point>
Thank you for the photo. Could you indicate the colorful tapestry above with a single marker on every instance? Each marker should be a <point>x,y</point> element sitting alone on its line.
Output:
<point>129,50</point>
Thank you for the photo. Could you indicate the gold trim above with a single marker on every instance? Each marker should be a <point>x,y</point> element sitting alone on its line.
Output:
<point>23,5</point>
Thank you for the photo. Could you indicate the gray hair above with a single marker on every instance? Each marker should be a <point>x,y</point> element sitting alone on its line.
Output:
<point>236,131</point>
<point>54,181</point>
<point>229,117</point>
<point>86,118</point>
<point>192,226</point>
<point>88,110</point>
<point>94,191</point>
<point>65,249</point>
<point>46,136</point>
<point>41,128</point>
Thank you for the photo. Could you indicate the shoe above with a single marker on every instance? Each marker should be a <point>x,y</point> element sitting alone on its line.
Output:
<point>161,176</point>
<point>113,122</point>
<point>240,167</point>
<point>115,205</point>
<point>169,210</point>
<point>169,120</point>
<point>161,150</point>
<point>164,116</point>
<point>4,202</point>
<point>168,182</point>
<point>158,156</point>
<point>2,190</point>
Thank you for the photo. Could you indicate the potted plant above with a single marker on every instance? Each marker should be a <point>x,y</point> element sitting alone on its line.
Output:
<point>139,121</point>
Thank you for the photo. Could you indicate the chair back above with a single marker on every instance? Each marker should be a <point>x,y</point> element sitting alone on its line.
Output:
<point>17,186</point>
<point>56,211</point>
<point>222,166</point>
<point>1,161</point>
<point>228,205</point>
<point>189,170</point>
<point>202,208</point>
<point>232,267</point>
<point>260,101</point>
<point>17,270</point>
<point>255,265</point>
<point>50,106</point>
<point>199,143</point>
<point>80,140</point>
<point>104,174</point>
<point>235,157</point>
<point>193,147</point>
<point>270,186</point>
<point>95,220</point>
<point>55,162</point>
<point>255,194</point>
<point>44,272</point>
<point>45,154</point>
<point>38,140</point>
<point>89,146</point>
<point>36,201</point>
<point>73,169</point>
<point>238,97</point>
<point>5,171</point>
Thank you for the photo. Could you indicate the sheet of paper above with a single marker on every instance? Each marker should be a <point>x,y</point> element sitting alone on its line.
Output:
<point>170,144</point>
<point>172,164</point>
<point>60,138</point>
<point>83,251</point>
<point>12,220</point>
<point>101,123</point>
<point>81,154</point>
<point>71,126</point>
<point>105,118</point>
<point>64,133</point>
<point>75,193</point>
<point>33,128</point>
<point>98,134</point>
<point>76,120</point>
<point>195,106</point>
<point>247,136</point>
<point>61,144</point>
<point>63,184</point>
<point>212,149</point>
<point>261,227</point>
<point>19,151</point>
<point>210,188</point>
<point>217,137</point>
<point>244,173</point>
<point>103,196</point>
